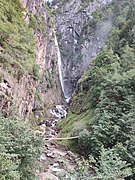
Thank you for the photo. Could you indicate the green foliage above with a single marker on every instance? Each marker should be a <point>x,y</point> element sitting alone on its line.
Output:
<point>81,172</point>
<point>48,10</point>
<point>19,149</point>
<point>38,95</point>
<point>49,78</point>
<point>36,71</point>
<point>108,90</point>
<point>33,22</point>
<point>112,97</point>
<point>109,167</point>
<point>85,3</point>
<point>8,169</point>
<point>72,126</point>
<point>16,39</point>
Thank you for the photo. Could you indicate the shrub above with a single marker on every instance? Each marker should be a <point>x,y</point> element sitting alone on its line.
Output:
<point>19,148</point>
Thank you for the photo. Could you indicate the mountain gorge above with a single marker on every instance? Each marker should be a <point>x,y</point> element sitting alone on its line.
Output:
<point>76,56</point>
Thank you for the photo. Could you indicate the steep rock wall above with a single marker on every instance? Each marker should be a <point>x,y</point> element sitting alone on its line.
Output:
<point>28,70</point>
<point>81,36</point>
<point>47,58</point>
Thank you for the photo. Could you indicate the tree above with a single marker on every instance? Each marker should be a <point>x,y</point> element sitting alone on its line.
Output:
<point>110,166</point>
<point>19,148</point>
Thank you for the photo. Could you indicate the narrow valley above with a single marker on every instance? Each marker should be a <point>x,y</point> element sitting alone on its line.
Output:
<point>67,90</point>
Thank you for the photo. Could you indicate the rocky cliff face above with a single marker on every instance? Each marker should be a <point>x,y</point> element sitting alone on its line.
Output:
<point>82,34</point>
<point>47,57</point>
<point>39,85</point>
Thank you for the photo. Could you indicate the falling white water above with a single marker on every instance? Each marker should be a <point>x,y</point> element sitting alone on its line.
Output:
<point>59,63</point>
<point>58,112</point>
<point>60,68</point>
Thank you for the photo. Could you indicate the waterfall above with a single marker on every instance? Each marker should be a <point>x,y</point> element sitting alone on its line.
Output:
<point>59,63</point>
<point>60,68</point>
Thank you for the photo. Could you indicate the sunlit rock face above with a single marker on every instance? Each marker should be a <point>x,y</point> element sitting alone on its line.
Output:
<point>79,38</point>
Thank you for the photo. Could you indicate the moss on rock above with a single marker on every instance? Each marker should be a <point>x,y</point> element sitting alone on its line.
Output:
<point>16,39</point>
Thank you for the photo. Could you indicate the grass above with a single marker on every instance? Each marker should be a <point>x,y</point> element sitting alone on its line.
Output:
<point>72,126</point>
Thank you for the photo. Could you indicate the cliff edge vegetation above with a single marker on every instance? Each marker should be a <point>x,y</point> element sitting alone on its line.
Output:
<point>17,43</point>
<point>19,147</point>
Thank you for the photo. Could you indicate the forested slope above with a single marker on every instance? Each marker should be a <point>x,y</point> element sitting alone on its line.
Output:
<point>102,109</point>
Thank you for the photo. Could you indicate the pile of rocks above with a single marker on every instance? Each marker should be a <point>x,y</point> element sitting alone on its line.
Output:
<point>56,160</point>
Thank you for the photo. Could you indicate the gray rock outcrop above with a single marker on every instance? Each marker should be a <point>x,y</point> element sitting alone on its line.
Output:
<point>80,37</point>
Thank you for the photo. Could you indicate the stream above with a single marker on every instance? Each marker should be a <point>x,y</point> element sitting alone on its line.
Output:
<point>56,160</point>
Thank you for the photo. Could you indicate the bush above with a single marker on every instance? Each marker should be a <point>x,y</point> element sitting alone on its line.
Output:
<point>109,167</point>
<point>19,149</point>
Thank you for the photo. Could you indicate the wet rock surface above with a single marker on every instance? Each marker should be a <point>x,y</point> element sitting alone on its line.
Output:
<point>80,40</point>
<point>56,160</point>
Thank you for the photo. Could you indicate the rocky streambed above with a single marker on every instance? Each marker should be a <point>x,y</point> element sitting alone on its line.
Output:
<point>55,159</point>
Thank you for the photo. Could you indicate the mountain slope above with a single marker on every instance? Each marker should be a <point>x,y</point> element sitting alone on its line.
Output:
<point>102,107</point>
<point>28,58</point>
